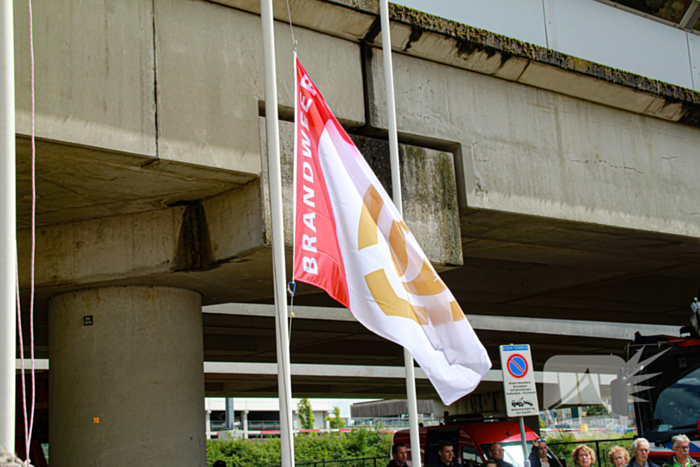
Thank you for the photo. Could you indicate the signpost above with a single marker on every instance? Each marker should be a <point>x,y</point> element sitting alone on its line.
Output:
<point>519,386</point>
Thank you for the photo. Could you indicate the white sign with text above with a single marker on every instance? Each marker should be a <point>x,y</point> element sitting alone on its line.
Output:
<point>519,381</point>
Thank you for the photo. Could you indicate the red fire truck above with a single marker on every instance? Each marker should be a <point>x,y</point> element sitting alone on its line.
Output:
<point>671,403</point>
<point>471,436</point>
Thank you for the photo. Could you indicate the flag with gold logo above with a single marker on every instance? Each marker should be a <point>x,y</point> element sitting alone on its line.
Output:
<point>350,241</point>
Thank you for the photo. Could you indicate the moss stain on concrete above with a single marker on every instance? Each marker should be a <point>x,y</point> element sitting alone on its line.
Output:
<point>471,40</point>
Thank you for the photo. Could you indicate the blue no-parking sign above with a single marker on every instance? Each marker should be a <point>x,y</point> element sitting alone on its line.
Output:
<point>519,381</point>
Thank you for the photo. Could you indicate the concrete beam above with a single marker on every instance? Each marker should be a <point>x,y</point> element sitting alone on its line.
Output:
<point>195,236</point>
<point>210,81</point>
<point>563,327</point>
<point>204,241</point>
<point>349,19</point>
<point>443,41</point>
<point>76,183</point>
<point>428,184</point>
<point>340,371</point>
<point>538,153</point>
<point>95,74</point>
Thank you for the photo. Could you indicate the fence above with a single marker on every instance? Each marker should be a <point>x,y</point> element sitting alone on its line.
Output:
<point>602,447</point>
<point>359,462</point>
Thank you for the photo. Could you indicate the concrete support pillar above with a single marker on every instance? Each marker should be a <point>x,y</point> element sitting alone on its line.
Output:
<point>207,424</point>
<point>127,378</point>
<point>244,423</point>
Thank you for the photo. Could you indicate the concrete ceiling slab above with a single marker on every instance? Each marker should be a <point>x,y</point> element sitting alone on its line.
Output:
<point>77,183</point>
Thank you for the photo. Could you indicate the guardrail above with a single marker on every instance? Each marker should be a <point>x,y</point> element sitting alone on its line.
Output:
<point>254,433</point>
<point>359,462</point>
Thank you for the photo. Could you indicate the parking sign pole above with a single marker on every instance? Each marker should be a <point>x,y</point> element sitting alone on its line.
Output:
<point>526,461</point>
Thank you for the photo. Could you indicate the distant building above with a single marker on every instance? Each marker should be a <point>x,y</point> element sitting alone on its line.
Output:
<point>257,416</point>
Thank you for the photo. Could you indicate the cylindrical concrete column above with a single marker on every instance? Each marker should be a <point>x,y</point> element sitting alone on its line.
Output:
<point>207,424</point>
<point>127,379</point>
<point>244,422</point>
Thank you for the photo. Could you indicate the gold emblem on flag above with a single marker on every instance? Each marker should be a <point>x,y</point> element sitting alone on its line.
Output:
<point>426,283</point>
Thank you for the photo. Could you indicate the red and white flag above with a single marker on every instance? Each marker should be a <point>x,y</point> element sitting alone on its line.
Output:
<point>350,241</point>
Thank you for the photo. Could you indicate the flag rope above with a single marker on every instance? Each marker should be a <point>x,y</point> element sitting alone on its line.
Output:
<point>291,28</point>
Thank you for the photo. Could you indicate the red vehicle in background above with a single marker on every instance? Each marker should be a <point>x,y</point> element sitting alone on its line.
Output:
<point>669,403</point>
<point>471,435</point>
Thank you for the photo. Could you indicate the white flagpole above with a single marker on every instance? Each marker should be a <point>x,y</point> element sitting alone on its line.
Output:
<point>396,195</point>
<point>278,259</point>
<point>8,232</point>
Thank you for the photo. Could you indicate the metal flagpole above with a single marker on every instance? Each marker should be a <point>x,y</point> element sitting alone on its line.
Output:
<point>278,258</point>
<point>8,231</point>
<point>396,195</point>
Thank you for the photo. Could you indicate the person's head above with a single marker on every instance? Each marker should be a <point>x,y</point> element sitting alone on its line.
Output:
<point>681,447</point>
<point>219,464</point>
<point>446,451</point>
<point>400,453</point>
<point>583,456</point>
<point>640,450</point>
<point>542,449</point>
<point>496,451</point>
<point>490,463</point>
<point>619,457</point>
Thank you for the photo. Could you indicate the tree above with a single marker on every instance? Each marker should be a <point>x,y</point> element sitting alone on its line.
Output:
<point>596,410</point>
<point>306,414</point>
<point>335,420</point>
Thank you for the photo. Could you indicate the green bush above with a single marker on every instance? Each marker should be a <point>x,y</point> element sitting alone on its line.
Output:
<point>306,414</point>
<point>336,421</point>
<point>313,447</point>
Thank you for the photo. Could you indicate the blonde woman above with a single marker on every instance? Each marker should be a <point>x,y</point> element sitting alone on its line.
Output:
<point>619,457</point>
<point>583,456</point>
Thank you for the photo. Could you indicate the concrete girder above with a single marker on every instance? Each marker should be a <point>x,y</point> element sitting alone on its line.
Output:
<point>76,183</point>
<point>243,332</point>
<point>561,327</point>
<point>210,81</point>
<point>348,19</point>
<point>458,45</point>
<point>94,74</point>
<point>527,151</point>
<point>243,379</point>
<point>127,78</point>
<point>331,337</point>
<point>428,186</point>
<point>218,246</point>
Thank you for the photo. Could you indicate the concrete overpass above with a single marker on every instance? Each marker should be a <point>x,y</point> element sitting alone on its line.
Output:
<point>541,185</point>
